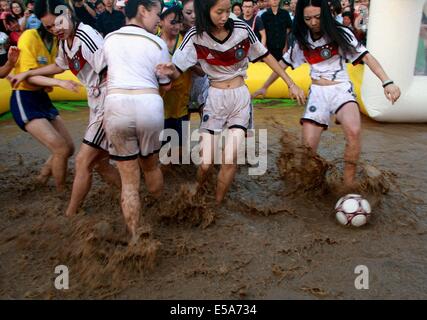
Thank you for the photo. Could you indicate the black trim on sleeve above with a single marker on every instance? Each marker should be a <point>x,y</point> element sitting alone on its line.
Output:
<point>287,63</point>
<point>324,126</point>
<point>360,58</point>
<point>261,57</point>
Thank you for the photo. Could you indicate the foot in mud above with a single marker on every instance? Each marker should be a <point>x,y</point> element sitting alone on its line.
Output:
<point>142,232</point>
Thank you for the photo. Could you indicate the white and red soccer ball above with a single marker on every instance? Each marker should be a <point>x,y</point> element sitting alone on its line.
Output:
<point>353,210</point>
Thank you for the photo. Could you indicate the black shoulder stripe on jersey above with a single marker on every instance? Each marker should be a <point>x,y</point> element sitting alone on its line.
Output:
<point>88,37</point>
<point>187,38</point>
<point>252,37</point>
<point>87,41</point>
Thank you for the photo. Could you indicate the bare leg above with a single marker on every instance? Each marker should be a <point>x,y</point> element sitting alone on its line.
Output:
<point>311,134</point>
<point>45,172</point>
<point>152,174</point>
<point>229,165</point>
<point>106,170</point>
<point>208,145</point>
<point>87,159</point>
<point>57,143</point>
<point>349,117</point>
<point>130,200</point>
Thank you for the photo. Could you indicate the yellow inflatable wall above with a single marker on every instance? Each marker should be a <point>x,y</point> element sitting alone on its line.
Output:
<point>257,74</point>
<point>58,94</point>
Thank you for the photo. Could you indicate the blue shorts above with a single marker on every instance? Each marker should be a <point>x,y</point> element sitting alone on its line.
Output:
<point>177,125</point>
<point>29,105</point>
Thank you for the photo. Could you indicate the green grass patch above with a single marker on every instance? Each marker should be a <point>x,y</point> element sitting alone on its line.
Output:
<point>274,103</point>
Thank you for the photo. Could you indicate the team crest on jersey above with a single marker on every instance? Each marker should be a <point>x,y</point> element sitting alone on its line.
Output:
<point>42,60</point>
<point>240,53</point>
<point>326,53</point>
<point>76,64</point>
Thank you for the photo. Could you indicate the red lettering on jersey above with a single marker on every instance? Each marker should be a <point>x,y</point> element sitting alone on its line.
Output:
<point>321,54</point>
<point>227,58</point>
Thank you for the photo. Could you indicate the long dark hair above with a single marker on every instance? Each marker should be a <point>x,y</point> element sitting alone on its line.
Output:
<point>55,7</point>
<point>329,26</point>
<point>131,8</point>
<point>202,9</point>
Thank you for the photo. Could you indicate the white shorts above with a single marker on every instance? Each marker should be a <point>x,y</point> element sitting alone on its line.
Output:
<point>95,133</point>
<point>199,91</point>
<point>227,108</point>
<point>133,124</point>
<point>324,101</point>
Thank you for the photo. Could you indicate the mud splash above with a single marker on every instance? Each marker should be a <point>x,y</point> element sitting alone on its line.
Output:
<point>274,237</point>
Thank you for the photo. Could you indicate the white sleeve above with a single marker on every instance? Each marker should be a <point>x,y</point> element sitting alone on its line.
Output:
<point>294,57</point>
<point>164,57</point>
<point>359,50</point>
<point>257,51</point>
<point>92,48</point>
<point>186,56</point>
<point>60,60</point>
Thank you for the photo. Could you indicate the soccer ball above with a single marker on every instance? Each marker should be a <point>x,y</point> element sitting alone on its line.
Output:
<point>352,210</point>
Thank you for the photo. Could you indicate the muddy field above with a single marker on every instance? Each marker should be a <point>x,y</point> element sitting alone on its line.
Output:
<point>273,238</point>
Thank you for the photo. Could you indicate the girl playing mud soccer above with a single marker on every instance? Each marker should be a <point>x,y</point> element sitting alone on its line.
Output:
<point>133,107</point>
<point>81,51</point>
<point>199,81</point>
<point>176,99</point>
<point>223,47</point>
<point>326,45</point>
<point>32,108</point>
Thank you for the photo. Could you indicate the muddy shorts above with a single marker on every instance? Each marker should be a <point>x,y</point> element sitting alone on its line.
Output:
<point>95,133</point>
<point>133,124</point>
<point>227,108</point>
<point>324,101</point>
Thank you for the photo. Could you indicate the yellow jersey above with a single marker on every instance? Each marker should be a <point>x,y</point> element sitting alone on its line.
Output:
<point>33,54</point>
<point>176,99</point>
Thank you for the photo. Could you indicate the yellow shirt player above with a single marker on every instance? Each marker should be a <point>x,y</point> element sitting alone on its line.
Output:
<point>177,98</point>
<point>31,106</point>
<point>34,54</point>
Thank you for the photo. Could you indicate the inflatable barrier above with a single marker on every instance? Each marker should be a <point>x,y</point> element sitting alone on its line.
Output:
<point>58,94</point>
<point>393,39</point>
<point>257,74</point>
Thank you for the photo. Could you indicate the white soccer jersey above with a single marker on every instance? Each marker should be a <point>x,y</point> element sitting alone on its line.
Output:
<point>326,60</point>
<point>132,55</point>
<point>85,58</point>
<point>220,60</point>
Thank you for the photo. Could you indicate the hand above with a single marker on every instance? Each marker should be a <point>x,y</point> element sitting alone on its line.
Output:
<point>13,55</point>
<point>392,92</point>
<point>70,85</point>
<point>297,93</point>
<point>16,79</point>
<point>260,92</point>
<point>165,69</point>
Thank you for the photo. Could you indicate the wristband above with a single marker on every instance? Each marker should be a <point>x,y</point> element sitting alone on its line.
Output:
<point>387,82</point>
